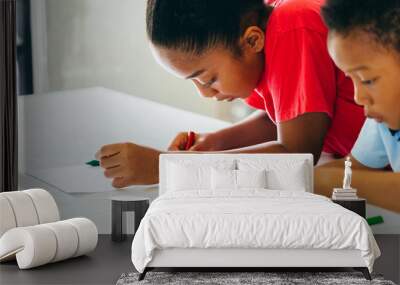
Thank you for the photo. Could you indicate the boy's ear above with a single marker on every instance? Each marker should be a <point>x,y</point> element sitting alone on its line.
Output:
<point>253,39</point>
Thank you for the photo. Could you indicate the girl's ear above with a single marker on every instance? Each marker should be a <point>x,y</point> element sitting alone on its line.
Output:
<point>253,39</point>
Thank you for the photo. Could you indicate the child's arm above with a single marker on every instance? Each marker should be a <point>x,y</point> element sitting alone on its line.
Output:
<point>304,134</point>
<point>129,164</point>
<point>255,129</point>
<point>355,164</point>
<point>379,187</point>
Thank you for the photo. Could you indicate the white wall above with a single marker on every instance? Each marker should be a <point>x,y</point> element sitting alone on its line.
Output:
<point>103,43</point>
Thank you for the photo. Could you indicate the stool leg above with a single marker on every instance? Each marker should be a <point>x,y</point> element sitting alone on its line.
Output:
<point>140,211</point>
<point>116,221</point>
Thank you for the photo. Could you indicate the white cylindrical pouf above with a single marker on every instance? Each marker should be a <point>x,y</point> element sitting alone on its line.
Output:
<point>67,239</point>
<point>87,234</point>
<point>45,205</point>
<point>31,232</point>
<point>40,244</point>
<point>7,218</point>
<point>34,245</point>
<point>23,207</point>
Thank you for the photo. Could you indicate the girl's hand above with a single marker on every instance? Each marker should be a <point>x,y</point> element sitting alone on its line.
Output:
<point>129,164</point>
<point>202,142</point>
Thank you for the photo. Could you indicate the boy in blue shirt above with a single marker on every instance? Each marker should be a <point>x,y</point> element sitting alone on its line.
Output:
<point>364,42</point>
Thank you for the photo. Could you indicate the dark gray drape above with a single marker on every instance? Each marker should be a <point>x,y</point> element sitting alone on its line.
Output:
<point>8,98</point>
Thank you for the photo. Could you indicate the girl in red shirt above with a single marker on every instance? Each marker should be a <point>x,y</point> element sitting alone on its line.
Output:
<point>273,56</point>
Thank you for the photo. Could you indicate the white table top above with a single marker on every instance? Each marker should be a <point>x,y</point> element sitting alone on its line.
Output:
<point>63,130</point>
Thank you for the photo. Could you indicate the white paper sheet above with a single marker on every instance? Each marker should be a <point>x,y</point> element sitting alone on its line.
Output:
<point>79,179</point>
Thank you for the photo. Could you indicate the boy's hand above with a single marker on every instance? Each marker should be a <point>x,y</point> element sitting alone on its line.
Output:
<point>202,142</point>
<point>129,164</point>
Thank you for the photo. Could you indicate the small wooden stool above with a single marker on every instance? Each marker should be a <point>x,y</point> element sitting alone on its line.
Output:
<point>138,205</point>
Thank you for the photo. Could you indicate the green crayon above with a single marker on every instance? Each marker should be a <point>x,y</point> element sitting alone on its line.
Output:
<point>93,163</point>
<point>375,220</point>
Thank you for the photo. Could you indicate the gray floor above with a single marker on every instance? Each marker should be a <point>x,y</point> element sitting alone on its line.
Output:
<point>103,266</point>
<point>389,262</point>
<point>110,260</point>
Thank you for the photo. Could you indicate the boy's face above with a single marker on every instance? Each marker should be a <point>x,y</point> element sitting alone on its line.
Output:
<point>217,73</point>
<point>375,71</point>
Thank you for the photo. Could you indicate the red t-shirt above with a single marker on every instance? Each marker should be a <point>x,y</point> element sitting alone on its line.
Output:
<point>299,76</point>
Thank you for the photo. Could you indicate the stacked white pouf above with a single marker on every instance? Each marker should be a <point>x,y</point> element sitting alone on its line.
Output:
<point>31,231</point>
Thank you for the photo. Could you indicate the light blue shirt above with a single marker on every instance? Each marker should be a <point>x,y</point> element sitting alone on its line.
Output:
<point>377,147</point>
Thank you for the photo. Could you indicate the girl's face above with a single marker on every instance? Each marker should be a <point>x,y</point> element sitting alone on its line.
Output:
<point>217,73</point>
<point>375,71</point>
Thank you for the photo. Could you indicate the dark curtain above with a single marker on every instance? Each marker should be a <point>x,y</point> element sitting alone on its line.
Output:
<point>24,48</point>
<point>8,98</point>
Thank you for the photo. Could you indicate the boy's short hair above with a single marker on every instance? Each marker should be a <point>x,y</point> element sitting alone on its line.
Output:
<point>378,18</point>
<point>196,25</point>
